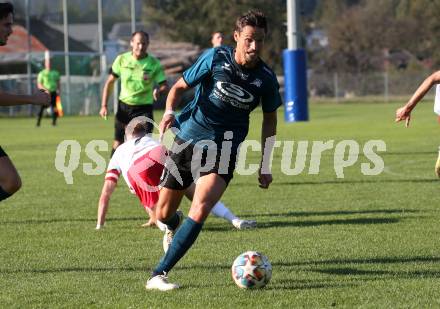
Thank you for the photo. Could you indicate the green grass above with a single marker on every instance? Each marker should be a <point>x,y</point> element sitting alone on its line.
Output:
<point>360,241</point>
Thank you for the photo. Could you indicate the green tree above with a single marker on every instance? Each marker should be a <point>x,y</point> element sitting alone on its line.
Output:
<point>426,43</point>
<point>361,32</point>
<point>328,11</point>
<point>194,21</point>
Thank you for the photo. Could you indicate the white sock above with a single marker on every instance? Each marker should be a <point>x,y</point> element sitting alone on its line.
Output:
<point>161,226</point>
<point>220,210</point>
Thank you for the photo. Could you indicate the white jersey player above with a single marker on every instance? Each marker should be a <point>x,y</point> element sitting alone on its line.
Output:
<point>140,161</point>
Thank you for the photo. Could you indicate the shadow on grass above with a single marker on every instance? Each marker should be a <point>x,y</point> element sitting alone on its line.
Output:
<point>336,212</point>
<point>379,260</point>
<point>411,153</point>
<point>260,225</point>
<point>380,274</point>
<point>287,284</point>
<point>74,270</point>
<point>280,224</point>
<point>352,276</point>
<point>342,182</point>
<point>66,220</point>
<point>97,269</point>
<point>356,275</point>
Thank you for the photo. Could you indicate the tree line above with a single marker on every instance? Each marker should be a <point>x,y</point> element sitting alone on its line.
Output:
<point>363,35</point>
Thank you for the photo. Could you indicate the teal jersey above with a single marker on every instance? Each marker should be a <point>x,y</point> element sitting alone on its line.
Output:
<point>226,94</point>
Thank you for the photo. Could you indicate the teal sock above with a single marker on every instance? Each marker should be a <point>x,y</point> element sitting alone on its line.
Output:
<point>183,240</point>
<point>3,194</point>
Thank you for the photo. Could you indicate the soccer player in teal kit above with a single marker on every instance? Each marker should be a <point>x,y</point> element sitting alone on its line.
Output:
<point>230,82</point>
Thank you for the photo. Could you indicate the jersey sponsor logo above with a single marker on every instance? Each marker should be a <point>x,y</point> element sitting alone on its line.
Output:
<point>226,66</point>
<point>242,75</point>
<point>257,82</point>
<point>233,94</point>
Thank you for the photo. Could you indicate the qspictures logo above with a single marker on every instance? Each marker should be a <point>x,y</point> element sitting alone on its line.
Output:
<point>294,157</point>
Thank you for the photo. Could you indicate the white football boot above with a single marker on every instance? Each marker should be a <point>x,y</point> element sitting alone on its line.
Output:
<point>244,224</point>
<point>160,282</point>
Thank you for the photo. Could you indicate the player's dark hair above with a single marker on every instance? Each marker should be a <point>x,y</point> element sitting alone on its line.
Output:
<point>219,32</point>
<point>6,8</point>
<point>253,18</point>
<point>140,129</point>
<point>145,34</point>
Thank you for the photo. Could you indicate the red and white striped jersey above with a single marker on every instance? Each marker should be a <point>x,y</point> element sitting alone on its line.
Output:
<point>140,161</point>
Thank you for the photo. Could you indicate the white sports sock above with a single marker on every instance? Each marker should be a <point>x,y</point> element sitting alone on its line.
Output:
<point>220,210</point>
<point>161,226</point>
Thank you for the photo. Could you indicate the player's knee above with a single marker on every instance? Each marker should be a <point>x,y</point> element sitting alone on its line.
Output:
<point>200,211</point>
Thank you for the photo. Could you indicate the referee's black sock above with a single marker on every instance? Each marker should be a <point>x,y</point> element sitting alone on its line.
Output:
<point>3,194</point>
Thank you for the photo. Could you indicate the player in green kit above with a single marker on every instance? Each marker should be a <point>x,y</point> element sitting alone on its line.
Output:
<point>49,80</point>
<point>139,73</point>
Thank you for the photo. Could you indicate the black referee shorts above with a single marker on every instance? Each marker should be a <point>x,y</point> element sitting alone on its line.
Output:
<point>126,113</point>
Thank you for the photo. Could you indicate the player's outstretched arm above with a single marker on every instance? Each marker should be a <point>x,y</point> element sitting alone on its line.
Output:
<point>404,112</point>
<point>173,100</point>
<point>107,190</point>
<point>268,132</point>
<point>37,98</point>
<point>106,91</point>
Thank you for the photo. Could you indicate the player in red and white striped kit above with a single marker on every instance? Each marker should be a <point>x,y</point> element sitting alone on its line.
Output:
<point>140,160</point>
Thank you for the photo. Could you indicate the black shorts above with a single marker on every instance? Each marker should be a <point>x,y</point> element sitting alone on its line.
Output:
<point>2,152</point>
<point>185,166</point>
<point>53,102</point>
<point>126,113</point>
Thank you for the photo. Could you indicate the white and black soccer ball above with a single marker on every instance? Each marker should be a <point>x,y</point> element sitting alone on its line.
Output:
<point>251,270</point>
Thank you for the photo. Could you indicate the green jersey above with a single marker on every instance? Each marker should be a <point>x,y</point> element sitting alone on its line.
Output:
<point>49,79</point>
<point>138,78</point>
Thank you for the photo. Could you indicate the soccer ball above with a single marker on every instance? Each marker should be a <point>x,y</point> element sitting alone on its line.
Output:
<point>251,270</point>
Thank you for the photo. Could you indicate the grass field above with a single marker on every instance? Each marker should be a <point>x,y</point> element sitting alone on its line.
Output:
<point>361,241</point>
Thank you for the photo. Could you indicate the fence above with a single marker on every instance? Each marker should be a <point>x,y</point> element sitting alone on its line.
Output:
<point>85,91</point>
<point>84,97</point>
<point>81,98</point>
<point>383,86</point>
